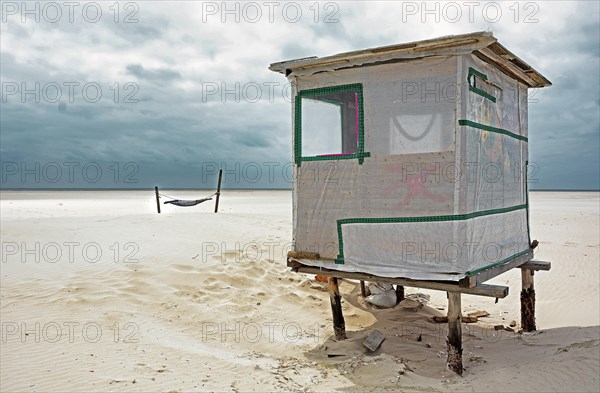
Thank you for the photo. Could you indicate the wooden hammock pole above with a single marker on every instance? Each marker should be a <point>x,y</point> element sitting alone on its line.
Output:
<point>218,190</point>
<point>157,199</point>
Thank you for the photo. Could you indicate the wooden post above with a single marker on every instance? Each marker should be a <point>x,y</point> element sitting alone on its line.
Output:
<point>339,326</point>
<point>399,293</point>
<point>363,290</point>
<point>218,190</point>
<point>527,301</point>
<point>157,199</point>
<point>454,362</point>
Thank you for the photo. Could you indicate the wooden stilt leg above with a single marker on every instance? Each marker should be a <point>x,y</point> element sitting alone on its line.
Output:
<point>339,326</point>
<point>363,290</point>
<point>454,362</point>
<point>527,301</point>
<point>399,293</point>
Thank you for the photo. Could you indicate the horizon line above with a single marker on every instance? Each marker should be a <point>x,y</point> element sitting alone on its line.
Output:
<point>229,189</point>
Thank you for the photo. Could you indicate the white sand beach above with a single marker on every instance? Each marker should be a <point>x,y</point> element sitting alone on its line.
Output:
<point>100,293</point>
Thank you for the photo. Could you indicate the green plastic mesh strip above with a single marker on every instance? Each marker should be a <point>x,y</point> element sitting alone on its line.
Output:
<point>297,130</point>
<point>481,75</point>
<point>337,157</point>
<point>330,90</point>
<point>473,71</point>
<point>527,200</point>
<point>484,127</point>
<point>499,263</point>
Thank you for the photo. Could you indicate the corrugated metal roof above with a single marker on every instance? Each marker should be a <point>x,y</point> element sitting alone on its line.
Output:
<point>482,44</point>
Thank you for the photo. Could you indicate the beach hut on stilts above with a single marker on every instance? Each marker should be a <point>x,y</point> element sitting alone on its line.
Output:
<point>411,168</point>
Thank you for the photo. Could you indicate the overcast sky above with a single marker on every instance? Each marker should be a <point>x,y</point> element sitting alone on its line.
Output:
<point>162,93</point>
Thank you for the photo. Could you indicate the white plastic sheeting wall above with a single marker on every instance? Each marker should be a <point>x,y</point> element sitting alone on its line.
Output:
<point>426,249</point>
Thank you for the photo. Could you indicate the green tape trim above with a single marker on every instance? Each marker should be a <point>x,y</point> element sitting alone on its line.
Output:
<point>340,258</point>
<point>386,220</point>
<point>484,127</point>
<point>360,153</point>
<point>474,89</point>
<point>297,131</point>
<point>451,217</point>
<point>499,263</point>
<point>527,201</point>
<point>361,129</point>
<point>337,157</point>
<point>473,71</point>
<point>330,90</point>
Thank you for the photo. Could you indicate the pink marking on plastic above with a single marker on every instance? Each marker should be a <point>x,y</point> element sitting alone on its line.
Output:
<point>356,116</point>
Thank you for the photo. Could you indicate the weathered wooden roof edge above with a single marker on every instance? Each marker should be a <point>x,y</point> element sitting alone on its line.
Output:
<point>482,44</point>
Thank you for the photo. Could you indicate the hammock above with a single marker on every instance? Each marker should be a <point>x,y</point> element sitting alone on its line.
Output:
<point>183,202</point>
